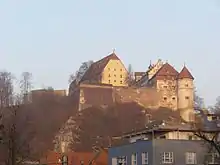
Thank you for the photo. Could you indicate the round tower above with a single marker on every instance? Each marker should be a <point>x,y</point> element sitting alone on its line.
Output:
<point>186,94</point>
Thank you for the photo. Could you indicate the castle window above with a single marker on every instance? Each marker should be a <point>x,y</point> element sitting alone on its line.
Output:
<point>120,69</point>
<point>121,82</point>
<point>186,85</point>
<point>165,86</point>
<point>114,80</point>
<point>121,76</point>
<point>165,98</point>
<point>114,69</point>
<point>109,69</point>
<point>173,98</point>
<point>109,75</point>
<point>109,81</point>
<point>115,75</point>
<point>187,97</point>
<point>190,137</point>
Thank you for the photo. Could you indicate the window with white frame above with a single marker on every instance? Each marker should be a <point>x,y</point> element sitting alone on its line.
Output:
<point>134,159</point>
<point>167,157</point>
<point>191,158</point>
<point>122,160</point>
<point>144,157</point>
<point>114,161</point>
<point>213,158</point>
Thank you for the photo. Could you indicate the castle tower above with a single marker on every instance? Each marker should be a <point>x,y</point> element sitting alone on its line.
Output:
<point>186,94</point>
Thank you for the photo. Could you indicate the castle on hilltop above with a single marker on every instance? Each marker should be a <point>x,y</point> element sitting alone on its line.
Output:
<point>161,85</point>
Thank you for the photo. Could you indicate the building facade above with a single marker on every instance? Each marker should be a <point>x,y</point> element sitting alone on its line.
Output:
<point>175,89</point>
<point>108,70</point>
<point>159,151</point>
<point>163,143</point>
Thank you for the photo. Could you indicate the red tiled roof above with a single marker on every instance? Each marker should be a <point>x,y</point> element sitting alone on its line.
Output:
<point>185,73</point>
<point>73,158</point>
<point>165,72</point>
<point>139,73</point>
<point>96,68</point>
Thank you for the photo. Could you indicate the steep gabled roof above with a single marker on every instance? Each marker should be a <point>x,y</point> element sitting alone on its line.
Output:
<point>96,68</point>
<point>185,73</point>
<point>166,70</point>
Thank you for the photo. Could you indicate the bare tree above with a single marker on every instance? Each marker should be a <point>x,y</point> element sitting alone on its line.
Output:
<point>72,77</point>
<point>6,89</point>
<point>81,71</point>
<point>26,86</point>
<point>130,76</point>
<point>216,107</point>
<point>16,135</point>
<point>198,101</point>
<point>208,131</point>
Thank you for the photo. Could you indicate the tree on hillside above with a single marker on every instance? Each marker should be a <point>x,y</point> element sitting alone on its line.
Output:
<point>209,133</point>
<point>198,101</point>
<point>95,127</point>
<point>130,76</point>
<point>81,71</point>
<point>212,138</point>
<point>6,89</point>
<point>216,107</point>
<point>16,136</point>
<point>26,86</point>
<point>14,123</point>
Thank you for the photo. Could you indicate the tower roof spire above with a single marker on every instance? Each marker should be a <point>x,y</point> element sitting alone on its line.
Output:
<point>185,73</point>
<point>113,50</point>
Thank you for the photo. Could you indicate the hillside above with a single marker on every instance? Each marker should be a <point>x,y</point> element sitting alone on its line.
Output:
<point>98,125</point>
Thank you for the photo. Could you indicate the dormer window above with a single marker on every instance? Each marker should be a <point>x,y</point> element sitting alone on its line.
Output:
<point>173,98</point>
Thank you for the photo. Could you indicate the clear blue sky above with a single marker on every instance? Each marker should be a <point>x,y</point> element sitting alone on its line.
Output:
<point>51,38</point>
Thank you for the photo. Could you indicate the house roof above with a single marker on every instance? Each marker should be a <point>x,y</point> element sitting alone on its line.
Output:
<point>185,73</point>
<point>97,67</point>
<point>139,73</point>
<point>75,158</point>
<point>166,71</point>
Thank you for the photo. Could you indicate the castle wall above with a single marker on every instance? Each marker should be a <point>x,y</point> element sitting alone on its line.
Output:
<point>186,99</point>
<point>168,89</point>
<point>146,97</point>
<point>95,95</point>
